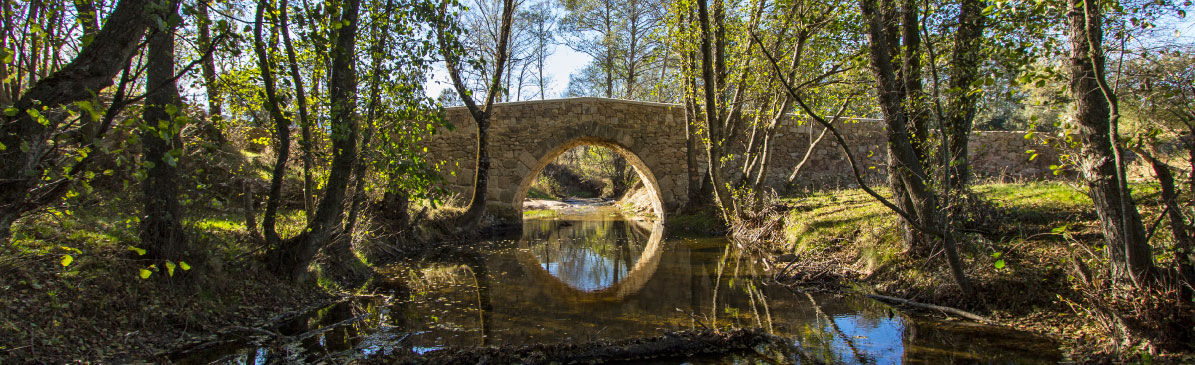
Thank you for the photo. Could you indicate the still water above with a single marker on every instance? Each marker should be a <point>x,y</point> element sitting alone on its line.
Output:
<point>596,275</point>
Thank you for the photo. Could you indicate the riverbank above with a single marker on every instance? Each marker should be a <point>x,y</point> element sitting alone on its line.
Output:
<point>1019,248</point>
<point>75,290</point>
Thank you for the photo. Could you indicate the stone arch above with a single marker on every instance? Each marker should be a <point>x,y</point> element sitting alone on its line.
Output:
<point>525,136</point>
<point>645,174</point>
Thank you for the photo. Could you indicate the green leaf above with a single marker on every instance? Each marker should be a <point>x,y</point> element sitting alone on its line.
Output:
<point>999,264</point>
<point>184,266</point>
<point>170,268</point>
<point>139,251</point>
<point>87,39</point>
<point>10,111</point>
<point>145,273</point>
<point>66,260</point>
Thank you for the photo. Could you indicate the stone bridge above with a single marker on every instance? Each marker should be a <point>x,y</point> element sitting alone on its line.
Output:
<point>525,136</point>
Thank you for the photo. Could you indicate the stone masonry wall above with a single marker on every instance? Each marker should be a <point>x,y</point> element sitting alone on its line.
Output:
<point>993,154</point>
<point>526,136</point>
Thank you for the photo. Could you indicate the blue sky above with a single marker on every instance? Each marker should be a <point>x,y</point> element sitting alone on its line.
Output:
<point>565,61</point>
<point>560,64</point>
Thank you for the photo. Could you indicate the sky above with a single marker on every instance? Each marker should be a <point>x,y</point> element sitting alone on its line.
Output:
<point>559,65</point>
<point>565,61</point>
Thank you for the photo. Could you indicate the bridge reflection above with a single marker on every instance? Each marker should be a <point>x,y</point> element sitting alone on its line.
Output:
<point>591,260</point>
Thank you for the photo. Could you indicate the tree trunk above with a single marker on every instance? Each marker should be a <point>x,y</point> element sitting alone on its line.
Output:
<point>964,71</point>
<point>161,228</point>
<point>26,151</point>
<point>713,118</point>
<point>1183,241</point>
<point>1101,168</point>
<point>250,207</point>
<point>790,183</point>
<point>692,169</point>
<point>916,103</point>
<point>380,36</point>
<point>305,142</point>
<point>907,177</point>
<point>292,260</point>
<point>481,115</point>
<point>619,179</point>
<point>208,64</point>
<point>281,130</point>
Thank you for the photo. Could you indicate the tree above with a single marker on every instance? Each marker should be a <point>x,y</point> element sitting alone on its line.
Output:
<point>618,35</point>
<point>482,32</point>
<point>592,28</point>
<point>293,257</point>
<point>450,48</point>
<point>713,53</point>
<point>1160,91</point>
<point>639,19</point>
<point>963,73</point>
<point>281,127</point>
<point>29,178</point>
<point>904,105</point>
<point>161,222</point>
<point>542,23</point>
<point>1102,165</point>
<point>307,140</point>
<point>204,39</point>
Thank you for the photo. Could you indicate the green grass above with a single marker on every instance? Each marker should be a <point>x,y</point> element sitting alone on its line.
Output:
<point>842,217</point>
<point>540,213</point>
<point>1036,194</point>
<point>852,218</point>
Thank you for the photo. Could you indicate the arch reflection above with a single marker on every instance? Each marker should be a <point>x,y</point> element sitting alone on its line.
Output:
<point>591,260</point>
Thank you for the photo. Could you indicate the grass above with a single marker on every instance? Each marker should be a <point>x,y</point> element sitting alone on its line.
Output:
<point>823,219</point>
<point>540,213</point>
<point>1019,265</point>
<point>815,222</point>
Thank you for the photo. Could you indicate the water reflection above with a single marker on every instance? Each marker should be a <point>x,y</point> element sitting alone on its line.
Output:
<point>597,277</point>
<point>594,259</point>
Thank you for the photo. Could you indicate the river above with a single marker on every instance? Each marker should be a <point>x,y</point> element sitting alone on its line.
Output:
<point>592,274</point>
